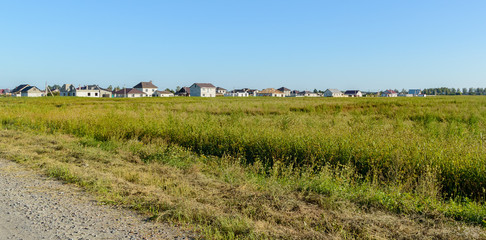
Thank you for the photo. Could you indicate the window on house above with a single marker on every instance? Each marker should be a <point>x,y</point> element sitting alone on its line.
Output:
<point>96,94</point>
<point>89,94</point>
<point>133,95</point>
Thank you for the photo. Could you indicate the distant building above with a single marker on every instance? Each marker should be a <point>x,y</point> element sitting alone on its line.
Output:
<point>307,94</point>
<point>389,93</point>
<point>129,93</point>
<point>270,92</point>
<point>147,87</point>
<point>67,90</point>
<point>183,92</point>
<point>294,93</point>
<point>221,91</point>
<point>163,94</point>
<point>16,91</point>
<point>251,92</point>
<point>92,91</point>
<point>331,92</point>
<point>353,93</point>
<point>415,92</point>
<point>285,90</point>
<point>30,91</point>
<point>202,90</point>
<point>95,91</point>
<point>237,93</point>
<point>5,92</point>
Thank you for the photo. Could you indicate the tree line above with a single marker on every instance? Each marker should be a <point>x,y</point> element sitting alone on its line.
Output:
<point>454,91</point>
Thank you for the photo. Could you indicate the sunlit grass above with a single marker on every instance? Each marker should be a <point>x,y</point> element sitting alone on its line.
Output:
<point>404,155</point>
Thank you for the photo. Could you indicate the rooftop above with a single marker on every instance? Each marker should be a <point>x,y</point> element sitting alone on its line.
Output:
<point>145,85</point>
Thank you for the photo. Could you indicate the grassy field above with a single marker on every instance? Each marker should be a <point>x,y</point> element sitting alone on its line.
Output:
<point>265,167</point>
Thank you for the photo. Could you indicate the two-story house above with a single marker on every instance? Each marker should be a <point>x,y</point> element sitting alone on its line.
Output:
<point>147,87</point>
<point>202,90</point>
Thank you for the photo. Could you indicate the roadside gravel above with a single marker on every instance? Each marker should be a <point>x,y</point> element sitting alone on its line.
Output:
<point>35,207</point>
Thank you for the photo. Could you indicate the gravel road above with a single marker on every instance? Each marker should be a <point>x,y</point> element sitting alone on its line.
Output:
<point>34,207</point>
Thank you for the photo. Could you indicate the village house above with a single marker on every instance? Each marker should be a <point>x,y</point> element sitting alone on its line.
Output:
<point>331,92</point>
<point>85,91</point>
<point>16,91</point>
<point>220,91</point>
<point>286,91</point>
<point>92,91</point>
<point>163,94</point>
<point>389,93</point>
<point>147,87</point>
<point>251,92</point>
<point>270,92</point>
<point>353,93</point>
<point>67,90</point>
<point>294,93</point>
<point>183,92</point>
<point>129,93</point>
<point>237,93</point>
<point>415,92</point>
<point>202,90</point>
<point>307,94</point>
<point>5,92</point>
<point>31,91</point>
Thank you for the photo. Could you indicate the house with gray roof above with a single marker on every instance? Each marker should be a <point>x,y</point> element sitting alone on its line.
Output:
<point>202,90</point>
<point>129,93</point>
<point>95,91</point>
<point>147,87</point>
<point>221,91</point>
<point>163,94</point>
<point>332,92</point>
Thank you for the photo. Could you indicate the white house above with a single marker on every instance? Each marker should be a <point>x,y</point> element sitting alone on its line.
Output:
<point>237,93</point>
<point>31,91</point>
<point>221,91</point>
<point>353,93</point>
<point>92,91</point>
<point>270,92</point>
<point>129,93</point>
<point>331,92</point>
<point>285,90</point>
<point>202,90</point>
<point>389,93</point>
<point>85,91</point>
<point>307,94</point>
<point>16,91</point>
<point>251,92</point>
<point>163,94</point>
<point>147,87</point>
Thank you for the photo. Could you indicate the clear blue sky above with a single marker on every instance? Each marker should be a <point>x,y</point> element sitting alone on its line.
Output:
<point>367,45</point>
